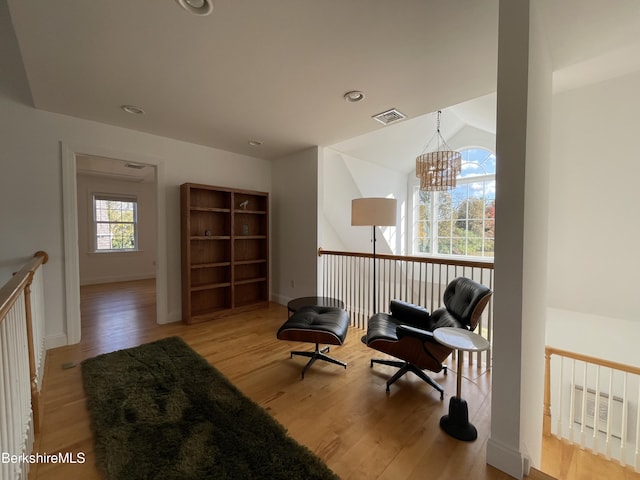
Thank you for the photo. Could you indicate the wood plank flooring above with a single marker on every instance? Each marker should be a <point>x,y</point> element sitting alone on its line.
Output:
<point>344,416</point>
<point>566,460</point>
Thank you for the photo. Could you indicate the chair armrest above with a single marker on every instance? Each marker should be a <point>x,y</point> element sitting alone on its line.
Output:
<point>408,313</point>
<point>409,331</point>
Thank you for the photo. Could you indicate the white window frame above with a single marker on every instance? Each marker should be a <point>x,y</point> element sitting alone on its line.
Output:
<point>95,197</point>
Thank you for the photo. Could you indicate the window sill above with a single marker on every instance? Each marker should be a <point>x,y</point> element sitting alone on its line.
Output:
<point>467,258</point>
<point>117,252</point>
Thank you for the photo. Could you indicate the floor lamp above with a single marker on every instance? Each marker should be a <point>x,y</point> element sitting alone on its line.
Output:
<point>373,212</point>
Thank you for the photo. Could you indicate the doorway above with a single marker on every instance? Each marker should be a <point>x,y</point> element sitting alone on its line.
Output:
<point>120,174</point>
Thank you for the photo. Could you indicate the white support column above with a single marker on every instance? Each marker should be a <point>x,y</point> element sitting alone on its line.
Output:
<point>522,150</point>
<point>503,448</point>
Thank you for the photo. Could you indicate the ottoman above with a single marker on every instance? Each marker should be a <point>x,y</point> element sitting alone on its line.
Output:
<point>319,325</point>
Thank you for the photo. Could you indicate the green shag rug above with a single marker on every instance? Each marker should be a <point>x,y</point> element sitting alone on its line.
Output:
<point>160,411</point>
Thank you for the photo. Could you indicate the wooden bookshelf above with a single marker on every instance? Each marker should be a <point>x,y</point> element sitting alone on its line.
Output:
<point>225,251</point>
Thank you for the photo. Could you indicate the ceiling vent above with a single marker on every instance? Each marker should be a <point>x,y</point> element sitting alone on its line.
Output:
<point>390,116</point>
<point>135,166</point>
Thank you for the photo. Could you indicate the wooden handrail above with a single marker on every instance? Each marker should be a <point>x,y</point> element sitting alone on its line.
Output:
<point>14,287</point>
<point>593,360</point>
<point>548,351</point>
<point>409,258</point>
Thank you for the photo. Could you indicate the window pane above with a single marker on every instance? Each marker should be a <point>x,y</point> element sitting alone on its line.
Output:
<point>444,228</point>
<point>422,236</point>
<point>115,224</point>
<point>476,162</point>
<point>489,247</point>
<point>422,222</point>
<point>475,228</point>
<point>458,245</point>
<point>444,246</point>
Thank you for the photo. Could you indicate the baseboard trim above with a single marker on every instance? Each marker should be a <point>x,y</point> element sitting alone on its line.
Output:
<point>172,317</point>
<point>505,459</point>
<point>280,299</point>
<point>55,341</point>
<point>115,279</point>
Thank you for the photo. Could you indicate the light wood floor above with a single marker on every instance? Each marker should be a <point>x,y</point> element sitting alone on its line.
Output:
<point>344,416</point>
<point>565,460</point>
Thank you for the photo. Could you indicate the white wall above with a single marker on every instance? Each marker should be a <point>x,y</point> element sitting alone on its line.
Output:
<point>31,195</point>
<point>594,220</point>
<point>116,266</point>
<point>345,178</point>
<point>294,220</point>
<point>469,137</point>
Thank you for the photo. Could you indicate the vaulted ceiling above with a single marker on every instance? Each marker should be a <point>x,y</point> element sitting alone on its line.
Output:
<point>275,71</point>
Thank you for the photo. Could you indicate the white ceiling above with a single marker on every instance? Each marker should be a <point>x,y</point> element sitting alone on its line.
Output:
<point>276,71</point>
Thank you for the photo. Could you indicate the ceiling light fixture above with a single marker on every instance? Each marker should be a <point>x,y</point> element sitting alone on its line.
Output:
<point>132,109</point>
<point>354,96</point>
<point>197,7</point>
<point>438,170</point>
<point>255,143</point>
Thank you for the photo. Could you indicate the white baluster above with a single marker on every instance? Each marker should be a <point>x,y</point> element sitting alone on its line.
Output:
<point>596,409</point>
<point>583,413</point>
<point>608,435</point>
<point>623,430</point>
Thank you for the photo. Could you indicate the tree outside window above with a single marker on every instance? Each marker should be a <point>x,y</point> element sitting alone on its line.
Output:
<point>115,223</point>
<point>460,221</point>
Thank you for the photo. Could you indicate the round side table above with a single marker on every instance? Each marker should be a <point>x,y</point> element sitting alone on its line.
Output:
<point>456,423</point>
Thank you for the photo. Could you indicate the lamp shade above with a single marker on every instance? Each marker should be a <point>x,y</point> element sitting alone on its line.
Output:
<point>373,211</point>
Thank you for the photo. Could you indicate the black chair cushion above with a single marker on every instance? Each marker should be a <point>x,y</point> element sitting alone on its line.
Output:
<point>315,324</point>
<point>461,298</point>
<point>442,318</point>
<point>410,314</point>
<point>382,326</point>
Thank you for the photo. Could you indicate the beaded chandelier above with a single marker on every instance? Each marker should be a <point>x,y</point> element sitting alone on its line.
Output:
<point>438,170</point>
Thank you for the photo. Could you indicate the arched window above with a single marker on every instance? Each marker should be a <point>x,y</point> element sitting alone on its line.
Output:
<point>460,221</point>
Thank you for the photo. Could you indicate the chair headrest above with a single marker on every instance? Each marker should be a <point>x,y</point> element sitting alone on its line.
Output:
<point>466,299</point>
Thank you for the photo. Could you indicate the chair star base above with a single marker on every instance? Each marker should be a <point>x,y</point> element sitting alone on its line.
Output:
<point>405,367</point>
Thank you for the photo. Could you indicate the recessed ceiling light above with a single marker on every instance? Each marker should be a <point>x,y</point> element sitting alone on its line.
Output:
<point>197,7</point>
<point>255,143</point>
<point>132,109</point>
<point>354,96</point>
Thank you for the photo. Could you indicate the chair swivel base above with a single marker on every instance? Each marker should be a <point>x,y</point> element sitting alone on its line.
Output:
<point>405,367</point>
<point>457,423</point>
<point>317,354</point>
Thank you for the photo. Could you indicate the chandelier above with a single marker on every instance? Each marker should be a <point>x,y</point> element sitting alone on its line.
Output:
<point>438,170</point>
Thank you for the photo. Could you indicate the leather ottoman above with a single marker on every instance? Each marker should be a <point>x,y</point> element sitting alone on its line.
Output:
<point>319,325</point>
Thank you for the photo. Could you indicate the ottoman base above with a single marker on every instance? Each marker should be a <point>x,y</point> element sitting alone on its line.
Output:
<point>319,325</point>
<point>317,355</point>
